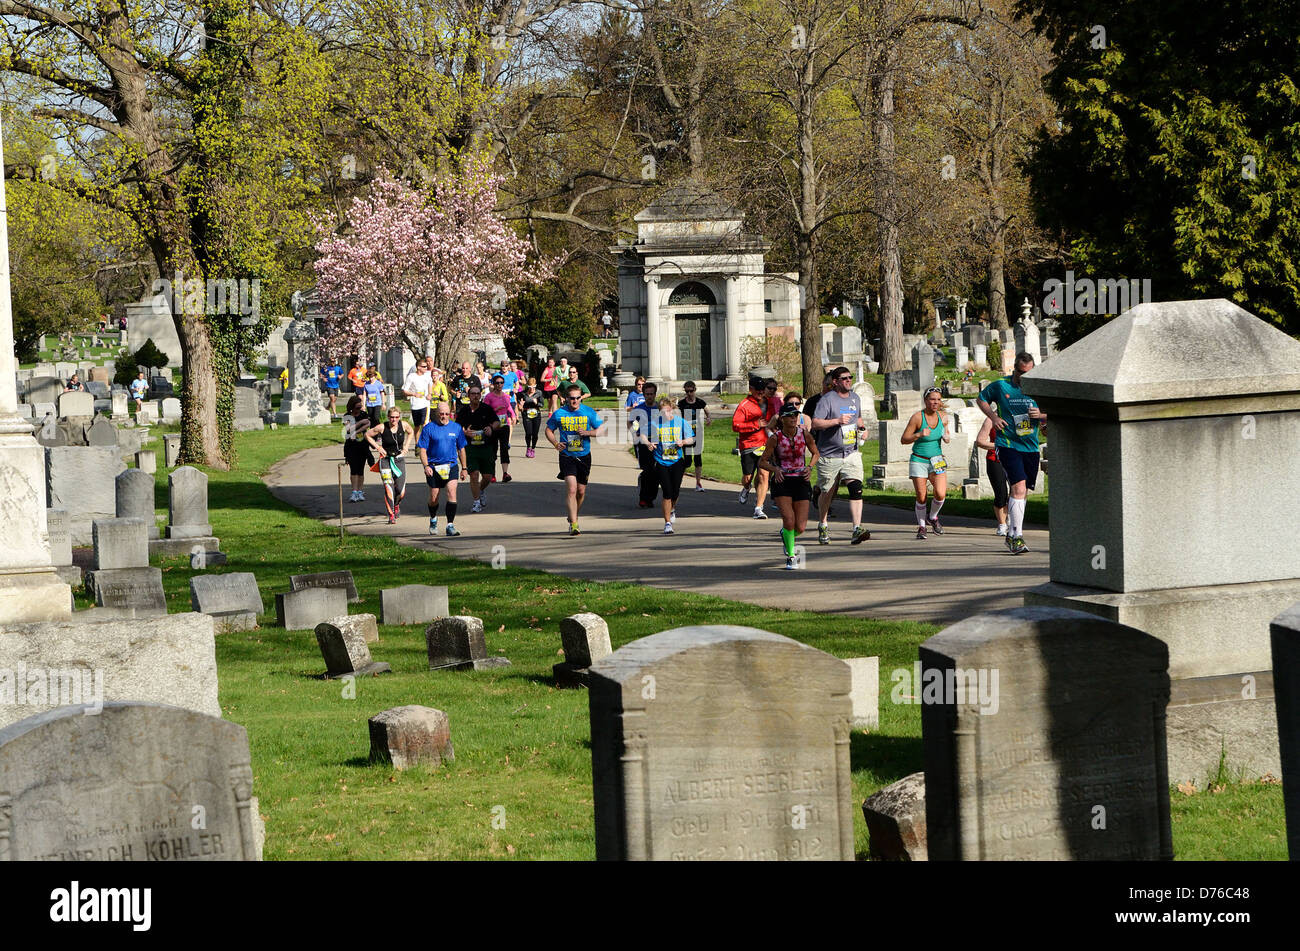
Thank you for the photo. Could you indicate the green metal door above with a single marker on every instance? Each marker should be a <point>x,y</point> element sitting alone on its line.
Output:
<point>694,352</point>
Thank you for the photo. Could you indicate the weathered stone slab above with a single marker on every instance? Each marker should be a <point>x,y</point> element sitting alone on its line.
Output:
<point>327,579</point>
<point>101,432</point>
<point>1044,738</point>
<point>168,660</point>
<point>121,543</point>
<point>865,691</point>
<point>56,527</point>
<point>1285,635</point>
<point>233,593</point>
<point>129,792</point>
<point>76,403</point>
<point>411,735</point>
<point>721,743</point>
<point>146,460</point>
<point>303,610</point>
<point>171,449</point>
<point>412,603</point>
<point>171,410</point>
<point>79,480</point>
<point>896,821</point>
<point>342,642</point>
<point>44,389</point>
<point>187,501</point>
<point>134,491</point>
<point>455,642</point>
<point>137,592</point>
<point>585,638</point>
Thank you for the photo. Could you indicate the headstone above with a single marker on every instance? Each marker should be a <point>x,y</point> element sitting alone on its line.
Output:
<point>121,543</point>
<point>922,367</point>
<point>232,600</point>
<point>146,460</point>
<point>903,403</point>
<point>64,369</point>
<point>101,433</point>
<point>122,579</point>
<point>44,389</point>
<point>171,449</point>
<point>247,415</point>
<point>56,526</point>
<point>76,403</point>
<point>79,479</point>
<point>120,405</point>
<point>721,743</point>
<point>122,786</point>
<point>413,604</point>
<point>1284,635</point>
<point>585,639</point>
<point>343,644</point>
<point>456,643</point>
<point>411,735</point>
<point>171,410</point>
<point>100,375</point>
<point>962,357</point>
<point>1008,361</point>
<point>301,403</point>
<point>1044,738</point>
<point>1027,339</point>
<point>303,610</point>
<point>896,821</point>
<point>327,579</point>
<point>145,416</point>
<point>981,357</point>
<point>864,691</point>
<point>187,504</point>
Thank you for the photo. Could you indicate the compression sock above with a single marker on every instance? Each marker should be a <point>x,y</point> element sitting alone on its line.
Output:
<point>788,535</point>
<point>433,510</point>
<point>934,508</point>
<point>920,513</point>
<point>1016,516</point>
<point>451,512</point>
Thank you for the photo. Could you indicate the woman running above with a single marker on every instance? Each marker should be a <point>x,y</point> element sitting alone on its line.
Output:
<point>924,432</point>
<point>530,407</point>
<point>551,386</point>
<point>997,475</point>
<point>392,441</point>
<point>356,450</point>
<point>789,456</point>
<point>667,435</point>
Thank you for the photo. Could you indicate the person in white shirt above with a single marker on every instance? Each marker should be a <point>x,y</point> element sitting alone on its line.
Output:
<point>418,388</point>
<point>606,322</point>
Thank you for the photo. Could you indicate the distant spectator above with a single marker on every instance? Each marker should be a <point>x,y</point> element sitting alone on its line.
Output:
<point>74,384</point>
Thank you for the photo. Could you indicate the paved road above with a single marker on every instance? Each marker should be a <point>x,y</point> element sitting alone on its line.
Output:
<point>718,548</point>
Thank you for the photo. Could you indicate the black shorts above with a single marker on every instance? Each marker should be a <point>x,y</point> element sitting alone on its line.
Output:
<point>749,460</point>
<point>418,418</point>
<point>577,466</point>
<point>358,456</point>
<point>670,478</point>
<point>795,488</point>
<point>436,481</point>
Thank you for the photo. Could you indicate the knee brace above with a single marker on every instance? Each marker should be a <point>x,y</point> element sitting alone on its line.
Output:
<point>855,488</point>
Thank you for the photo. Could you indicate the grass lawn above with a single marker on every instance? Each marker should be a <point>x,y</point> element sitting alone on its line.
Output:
<point>520,743</point>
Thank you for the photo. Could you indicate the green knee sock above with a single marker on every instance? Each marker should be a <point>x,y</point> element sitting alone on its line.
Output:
<point>788,535</point>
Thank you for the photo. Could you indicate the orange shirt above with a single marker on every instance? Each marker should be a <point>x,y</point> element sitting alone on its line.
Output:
<point>751,419</point>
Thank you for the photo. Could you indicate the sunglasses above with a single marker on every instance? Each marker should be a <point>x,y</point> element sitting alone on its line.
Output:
<point>573,397</point>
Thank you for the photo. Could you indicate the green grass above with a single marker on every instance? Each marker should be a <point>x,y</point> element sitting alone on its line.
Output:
<point>520,743</point>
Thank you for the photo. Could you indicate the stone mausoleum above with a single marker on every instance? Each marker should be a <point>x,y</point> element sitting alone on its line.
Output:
<point>691,287</point>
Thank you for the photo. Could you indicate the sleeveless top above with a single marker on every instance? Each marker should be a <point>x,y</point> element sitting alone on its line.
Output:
<point>532,405</point>
<point>791,453</point>
<point>928,446</point>
<point>389,440</point>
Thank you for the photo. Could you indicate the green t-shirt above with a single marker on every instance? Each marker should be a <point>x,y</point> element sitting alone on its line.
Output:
<point>1021,432</point>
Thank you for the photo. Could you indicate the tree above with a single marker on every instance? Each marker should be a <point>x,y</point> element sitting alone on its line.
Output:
<point>543,315</point>
<point>418,272</point>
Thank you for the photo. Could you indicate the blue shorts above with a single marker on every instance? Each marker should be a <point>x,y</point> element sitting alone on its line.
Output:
<point>1019,466</point>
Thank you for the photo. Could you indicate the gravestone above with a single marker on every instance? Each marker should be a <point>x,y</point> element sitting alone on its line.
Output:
<point>120,409</point>
<point>99,391</point>
<point>1284,634</point>
<point>56,528</point>
<point>327,579</point>
<point>981,356</point>
<point>413,604</point>
<point>864,691</point>
<point>1027,339</point>
<point>44,389</point>
<point>145,416</point>
<point>122,579</point>
<point>585,639</point>
<point>171,449</point>
<point>122,786</point>
<point>891,471</point>
<point>895,819</point>
<point>303,610</point>
<point>232,600</point>
<point>721,743</point>
<point>146,460</point>
<point>79,480</point>
<point>100,374</point>
<point>171,410</point>
<point>247,414</point>
<point>301,403</point>
<point>922,367</point>
<point>187,504</point>
<point>1044,738</point>
<point>457,643</point>
<point>1212,386</point>
<point>76,403</point>
<point>962,357</point>
<point>135,492</point>
<point>343,644</point>
<point>121,543</point>
<point>411,735</point>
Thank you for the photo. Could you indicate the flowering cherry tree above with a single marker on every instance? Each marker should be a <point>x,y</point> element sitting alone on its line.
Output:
<point>421,272</point>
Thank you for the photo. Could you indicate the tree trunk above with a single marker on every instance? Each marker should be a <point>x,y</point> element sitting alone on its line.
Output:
<point>891,354</point>
<point>997,287</point>
<point>806,250</point>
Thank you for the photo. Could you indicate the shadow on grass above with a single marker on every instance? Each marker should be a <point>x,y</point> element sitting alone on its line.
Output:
<point>889,758</point>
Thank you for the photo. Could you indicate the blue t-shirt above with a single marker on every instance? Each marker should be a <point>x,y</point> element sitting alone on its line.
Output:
<point>441,441</point>
<point>374,394</point>
<point>1021,432</point>
<point>573,422</point>
<point>332,376</point>
<point>635,399</point>
<point>139,388</point>
<point>512,380</point>
<point>669,431</point>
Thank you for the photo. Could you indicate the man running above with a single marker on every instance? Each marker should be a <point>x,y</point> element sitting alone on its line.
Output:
<point>639,420</point>
<point>809,408</point>
<point>418,388</point>
<point>332,377</point>
<point>463,381</point>
<point>754,415</point>
<point>442,454</point>
<point>479,421</point>
<point>1016,419</point>
<point>574,381</point>
<point>696,413</point>
<point>838,424</point>
<point>140,389</point>
<point>579,423</point>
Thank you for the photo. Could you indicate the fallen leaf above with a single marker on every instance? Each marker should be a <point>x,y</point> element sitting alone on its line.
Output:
<point>501,628</point>
<point>510,850</point>
<point>1187,789</point>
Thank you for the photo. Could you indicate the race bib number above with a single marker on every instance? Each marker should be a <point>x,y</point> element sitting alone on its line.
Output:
<point>444,470</point>
<point>574,443</point>
<point>532,414</point>
<point>476,437</point>
<point>1024,425</point>
<point>850,435</point>
<point>939,464</point>
<point>502,418</point>
<point>669,452</point>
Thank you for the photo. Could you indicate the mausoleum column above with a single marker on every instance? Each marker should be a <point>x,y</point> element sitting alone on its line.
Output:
<point>733,367</point>
<point>653,332</point>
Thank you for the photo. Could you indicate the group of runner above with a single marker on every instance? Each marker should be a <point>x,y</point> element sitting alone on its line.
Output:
<point>780,440</point>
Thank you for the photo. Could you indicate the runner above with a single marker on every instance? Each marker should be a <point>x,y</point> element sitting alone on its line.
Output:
<point>666,437</point>
<point>374,390</point>
<point>639,421</point>
<point>332,376</point>
<point>357,377</point>
<point>784,457</point>
<point>140,389</point>
<point>1017,422</point>
<point>635,397</point>
<point>924,432</point>
<point>606,322</point>
<point>438,392</point>
<point>530,408</point>
<point>579,423</point>
<point>460,385</point>
<point>418,388</point>
<point>391,441</point>
<point>696,413</point>
<point>504,407</point>
<point>753,415</point>
<point>356,450</point>
<point>550,385</point>
<point>442,456</point>
<point>795,399</point>
<point>997,475</point>
<point>810,408</point>
<point>574,381</point>
<point>478,420</point>
<point>838,425</point>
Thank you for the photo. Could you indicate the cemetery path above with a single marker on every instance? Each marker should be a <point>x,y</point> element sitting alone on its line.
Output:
<point>718,548</point>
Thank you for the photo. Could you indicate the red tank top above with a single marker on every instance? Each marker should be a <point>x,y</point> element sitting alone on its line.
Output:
<point>790,453</point>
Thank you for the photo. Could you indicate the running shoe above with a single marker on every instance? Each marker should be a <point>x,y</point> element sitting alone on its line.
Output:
<point>699,488</point>
<point>452,530</point>
<point>528,454</point>
<point>642,504</point>
<point>482,502</point>
<point>668,528</point>
<point>507,478</point>
<point>920,534</point>
<point>573,529</point>
<point>744,496</point>
<point>823,534</point>
<point>759,513</point>
<point>938,529</point>
<point>353,496</point>
<point>397,510</point>
<point>790,563</point>
<point>433,526</point>
<point>860,534</point>
<point>477,506</point>
<point>391,519</point>
<point>492,479</point>
<point>672,516</point>
<point>361,496</point>
<point>1021,547</point>
<point>1002,531</point>
<point>1011,544</point>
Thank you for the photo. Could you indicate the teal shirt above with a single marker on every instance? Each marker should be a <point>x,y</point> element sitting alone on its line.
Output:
<point>1021,432</point>
<point>927,447</point>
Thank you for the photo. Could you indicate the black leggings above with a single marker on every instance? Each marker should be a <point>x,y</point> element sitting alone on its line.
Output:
<point>502,437</point>
<point>532,427</point>
<point>998,476</point>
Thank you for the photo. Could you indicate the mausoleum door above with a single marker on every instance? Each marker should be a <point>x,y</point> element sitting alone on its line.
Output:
<point>694,349</point>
